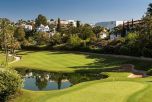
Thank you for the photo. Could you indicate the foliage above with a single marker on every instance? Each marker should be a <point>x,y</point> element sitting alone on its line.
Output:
<point>97,30</point>
<point>74,40</point>
<point>41,38</point>
<point>124,50</point>
<point>86,32</point>
<point>146,52</point>
<point>58,28</point>
<point>56,39</point>
<point>78,24</point>
<point>132,36</point>
<point>117,42</point>
<point>40,20</point>
<point>20,34</point>
<point>149,9</point>
<point>10,83</point>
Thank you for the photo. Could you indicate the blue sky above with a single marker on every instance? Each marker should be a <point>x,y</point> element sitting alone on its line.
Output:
<point>90,11</point>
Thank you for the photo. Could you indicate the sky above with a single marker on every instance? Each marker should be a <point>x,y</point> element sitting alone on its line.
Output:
<point>88,11</point>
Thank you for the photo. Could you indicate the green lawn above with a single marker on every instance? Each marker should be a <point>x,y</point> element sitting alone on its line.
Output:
<point>66,61</point>
<point>116,88</point>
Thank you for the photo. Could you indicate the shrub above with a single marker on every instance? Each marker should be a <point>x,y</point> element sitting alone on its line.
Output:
<point>116,50</point>
<point>146,52</point>
<point>108,49</point>
<point>135,51</point>
<point>124,50</point>
<point>132,36</point>
<point>10,83</point>
<point>74,41</point>
<point>117,42</point>
<point>149,72</point>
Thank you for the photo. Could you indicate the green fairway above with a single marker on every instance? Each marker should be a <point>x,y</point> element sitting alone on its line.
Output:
<point>116,88</point>
<point>66,61</point>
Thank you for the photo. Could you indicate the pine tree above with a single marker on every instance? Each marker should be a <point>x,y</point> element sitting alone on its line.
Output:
<point>58,29</point>
<point>78,24</point>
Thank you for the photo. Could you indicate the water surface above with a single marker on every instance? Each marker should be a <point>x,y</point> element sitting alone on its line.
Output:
<point>37,80</point>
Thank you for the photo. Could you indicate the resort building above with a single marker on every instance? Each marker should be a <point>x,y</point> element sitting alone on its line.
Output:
<point>68,22</point>
<point>43,28</point>
<point>109,24</point>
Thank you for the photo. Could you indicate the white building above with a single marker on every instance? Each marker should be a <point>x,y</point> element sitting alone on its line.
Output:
<point>27,27</point>
<point>74,23</point>
<point>43,28</point>
<point>109,24</point>
<point>66,22</point>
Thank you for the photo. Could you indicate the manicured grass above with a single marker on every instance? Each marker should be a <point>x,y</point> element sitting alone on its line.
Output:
<point>66,61</point>
<point>116,88</point>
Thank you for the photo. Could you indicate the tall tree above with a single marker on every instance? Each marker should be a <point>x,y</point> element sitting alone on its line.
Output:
<point>6,33</point>
<point>20,34</point>
<point>149,9</point>
<point>78,24</point>
<point>58,29</point>
<point>86,34</point>
<point>40,20</point>
<point>123,33</point>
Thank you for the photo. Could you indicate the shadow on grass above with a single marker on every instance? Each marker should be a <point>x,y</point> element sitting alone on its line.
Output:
<point>22,52</point>
<point>105,62</point>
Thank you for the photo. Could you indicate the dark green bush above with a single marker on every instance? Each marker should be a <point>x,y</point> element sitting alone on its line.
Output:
<point>135,51</point>
<point>108,49</point>
<point>149,72</point>
<point>124,50</point>
<point>147,52</point>
<point>10,83</point>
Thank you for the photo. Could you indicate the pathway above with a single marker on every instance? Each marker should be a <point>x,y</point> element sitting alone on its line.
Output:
<point>16,58</point>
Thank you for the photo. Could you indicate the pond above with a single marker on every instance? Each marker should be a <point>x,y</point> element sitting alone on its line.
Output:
<point>37,80</point>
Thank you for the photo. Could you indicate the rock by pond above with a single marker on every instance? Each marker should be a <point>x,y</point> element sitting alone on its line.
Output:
<point>38,80</point>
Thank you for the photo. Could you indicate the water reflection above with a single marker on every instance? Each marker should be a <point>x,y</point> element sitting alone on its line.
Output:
<point>41,80</point>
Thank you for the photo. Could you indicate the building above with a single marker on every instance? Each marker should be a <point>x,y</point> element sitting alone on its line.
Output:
<point>109,24</point>
<point>43,28</point>
<point>125,28</point>
<point>28,27</point>
<point>68,22</point>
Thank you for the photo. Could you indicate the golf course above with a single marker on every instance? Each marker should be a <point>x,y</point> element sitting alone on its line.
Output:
<point>116,88</point>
